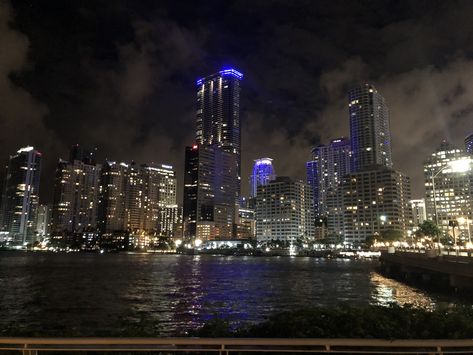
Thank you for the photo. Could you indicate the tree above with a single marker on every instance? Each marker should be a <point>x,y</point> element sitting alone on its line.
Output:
<point>390,235</point>
<point>429,229</point>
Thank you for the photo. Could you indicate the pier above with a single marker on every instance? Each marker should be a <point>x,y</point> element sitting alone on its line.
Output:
<point>448,268</point>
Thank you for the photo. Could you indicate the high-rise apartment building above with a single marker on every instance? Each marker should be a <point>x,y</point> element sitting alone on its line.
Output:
<point>112,213</point>
<point>330,163</point>
<point>419,214</point>
<point>263,173</point>
<point>20,196</point>
<point>469,144</point>
<point>218,114</point>
<point>284,211</point>
<point>76,191</point>
<point>375,202</point>
<point>210,203</point>
<point>369,128</point>
<point>453,190</point>
<point>43,220</point>
<point>160,199</point>
<point>375,197</point>
<point>213,164</point>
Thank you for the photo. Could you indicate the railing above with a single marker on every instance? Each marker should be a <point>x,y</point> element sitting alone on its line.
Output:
<point>32,346</point>
<point>446,252</point>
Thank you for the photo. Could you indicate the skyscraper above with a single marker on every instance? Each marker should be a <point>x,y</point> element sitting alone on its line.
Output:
<point>369,128</point>
<point>330,163</point>
<point>375,202</point>
<point>210,204</point>
<point>375,197</point>
<point>218,113</point>
<point>112,197</point>
<point>284,211</point>
<point>43,220</point>
<point>263,173</point>
<point>160,198</point>
<point>20,195</point>
<point>419,214</point>
<point>76,192</point>
<point>453,190</point>
<point>469,144</point>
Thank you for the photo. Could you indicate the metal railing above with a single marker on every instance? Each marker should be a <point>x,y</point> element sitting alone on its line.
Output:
<point>32,346</point>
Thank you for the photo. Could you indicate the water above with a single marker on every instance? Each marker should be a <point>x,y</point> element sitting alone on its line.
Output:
<point>92,295</point>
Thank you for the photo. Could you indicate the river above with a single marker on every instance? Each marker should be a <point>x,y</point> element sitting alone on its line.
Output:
<point>48,294</point>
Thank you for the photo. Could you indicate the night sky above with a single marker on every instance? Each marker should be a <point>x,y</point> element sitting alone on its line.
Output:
<point>120,75</point>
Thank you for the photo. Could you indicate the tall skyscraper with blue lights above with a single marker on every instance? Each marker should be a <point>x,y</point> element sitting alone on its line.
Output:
<point>369,128</point>
<point>263,173</point>
<point>218,112</point>
<point>213,165</point>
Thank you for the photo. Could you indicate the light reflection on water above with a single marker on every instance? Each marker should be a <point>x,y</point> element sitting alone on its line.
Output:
<point>92,294</point>
<point>389,291</point>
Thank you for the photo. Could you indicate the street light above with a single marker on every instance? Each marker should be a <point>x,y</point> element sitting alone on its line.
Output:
<point>454,166</point>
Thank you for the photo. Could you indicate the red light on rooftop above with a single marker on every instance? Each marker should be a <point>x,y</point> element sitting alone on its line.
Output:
<point>195,146</point>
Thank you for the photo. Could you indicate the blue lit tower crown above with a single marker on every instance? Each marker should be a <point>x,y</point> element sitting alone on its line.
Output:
<point>218,112</point>
<point>369,128</point>
<point>263,173</point>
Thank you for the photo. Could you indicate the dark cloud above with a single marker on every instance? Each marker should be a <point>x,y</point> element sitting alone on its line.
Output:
<point>120,75</point>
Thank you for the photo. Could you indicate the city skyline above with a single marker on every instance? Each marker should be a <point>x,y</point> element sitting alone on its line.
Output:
<point>140,77</point>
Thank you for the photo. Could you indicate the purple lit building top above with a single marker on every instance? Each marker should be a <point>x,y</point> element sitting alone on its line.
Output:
<point>263,173</point>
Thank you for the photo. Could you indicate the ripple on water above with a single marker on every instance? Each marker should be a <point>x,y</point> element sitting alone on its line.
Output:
<point>90,294</point>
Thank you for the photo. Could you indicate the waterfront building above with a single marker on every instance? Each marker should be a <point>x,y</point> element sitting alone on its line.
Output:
<point>326,169</point>
<point>76,190</point>
<point>375,196</point>
<point>218,114</point>
<point>453,190</point>
<point>210,193</point>
<point>20,196</point>
<point>419,213</point>
<point>160,199</point>
<point>376,202</point>
<point>246,228</point>
<point>112,213</point>
<point>329,164</point>
<point>284,211</point>
<point>469,144</point>
<point>263,173</point>
<point>369,128</point>
<point>43,220</point>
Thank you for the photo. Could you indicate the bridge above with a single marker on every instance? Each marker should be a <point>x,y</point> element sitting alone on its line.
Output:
<point>451,268</point>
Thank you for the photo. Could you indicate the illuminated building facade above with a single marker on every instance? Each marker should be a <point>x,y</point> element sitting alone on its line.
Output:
<point>453,190</point>
<point>375,202</point>
<point>469,144</point>
<point>369,128</point>
<point>375,196</point>
<point>263,173</point>
<point>159,199</point>
<point>329,164</point>
<point>218,114</point>
<point>210,193</point>
<point>419,213</point>
<point>284,211</point>
<point>20,197</point>
<point>43,220</point>
<point>246,227</point>
<point>76,190</point>
<point>112,213</point>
